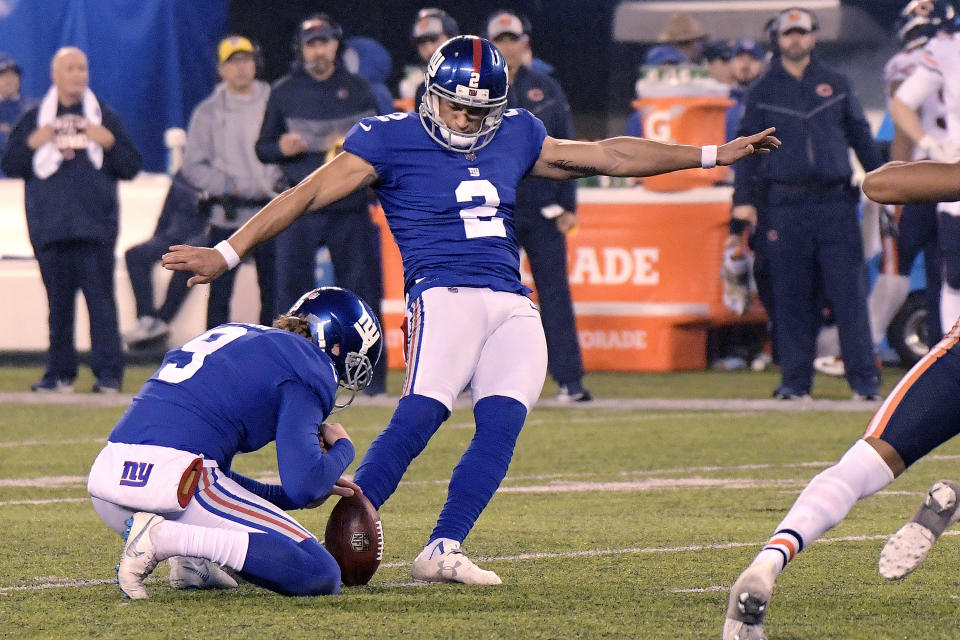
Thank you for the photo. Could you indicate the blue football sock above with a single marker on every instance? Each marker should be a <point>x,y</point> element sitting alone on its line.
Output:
<point>482,467</point>
<point>278,563</point>
<point>414,422</point>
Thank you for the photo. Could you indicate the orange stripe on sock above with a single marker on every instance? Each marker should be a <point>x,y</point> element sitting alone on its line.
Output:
<point>787,543</point>
<point>880,419</point>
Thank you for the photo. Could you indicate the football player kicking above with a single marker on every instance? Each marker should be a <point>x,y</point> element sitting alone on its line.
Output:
<point>921,413</point>
<point>447,181</point>
<point>164,480</point>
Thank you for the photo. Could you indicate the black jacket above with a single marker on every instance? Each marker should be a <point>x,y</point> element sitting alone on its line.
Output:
<point>78,202</point>
<point>818,118</point>
<point>542,96</point>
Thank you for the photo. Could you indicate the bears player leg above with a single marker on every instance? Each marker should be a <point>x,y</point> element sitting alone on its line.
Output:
<point>922,412</point>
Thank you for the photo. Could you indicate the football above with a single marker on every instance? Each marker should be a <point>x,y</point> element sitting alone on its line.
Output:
<point>354,537</point>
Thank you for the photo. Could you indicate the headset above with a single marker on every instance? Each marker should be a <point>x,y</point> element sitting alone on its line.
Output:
<point>772,26</point>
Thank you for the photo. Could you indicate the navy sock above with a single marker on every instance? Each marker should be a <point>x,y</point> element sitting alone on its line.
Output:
<point>278,563</point>
<point>482,467</point>
<point>414,422</point>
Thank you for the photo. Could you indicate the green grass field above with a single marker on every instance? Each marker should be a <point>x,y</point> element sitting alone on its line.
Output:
<point>610,524</point>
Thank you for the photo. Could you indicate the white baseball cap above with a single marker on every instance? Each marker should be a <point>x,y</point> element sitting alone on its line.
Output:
<point>795,19</point>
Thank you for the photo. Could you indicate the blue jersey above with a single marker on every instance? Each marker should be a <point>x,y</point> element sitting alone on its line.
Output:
<point>451,214</point>
<point>234,389</point>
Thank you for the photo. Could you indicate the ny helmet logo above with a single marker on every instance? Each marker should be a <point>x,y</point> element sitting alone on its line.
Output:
<point>366,326</point>
<point>135,474</point>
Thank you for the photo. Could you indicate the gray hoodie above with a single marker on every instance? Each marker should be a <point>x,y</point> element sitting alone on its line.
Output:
<point>220,158</point>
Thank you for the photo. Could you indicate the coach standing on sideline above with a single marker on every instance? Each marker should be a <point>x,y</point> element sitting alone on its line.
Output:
<point>546,209</point>
<point>813,237</point>
<point>308,113</point>
<point>70,151</point>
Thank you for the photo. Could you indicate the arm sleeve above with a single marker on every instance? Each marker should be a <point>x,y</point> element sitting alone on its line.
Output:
<point>859,136</point>
<point>274,126</point>
<point>272,493</point>
<point>17,159</point>
<point>123,160</point>
<point>920,85</point>
<point>198,166</point>
<point>306,472</point>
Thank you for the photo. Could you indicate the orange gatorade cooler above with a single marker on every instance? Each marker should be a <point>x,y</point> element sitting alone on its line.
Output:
<point>683,109</point>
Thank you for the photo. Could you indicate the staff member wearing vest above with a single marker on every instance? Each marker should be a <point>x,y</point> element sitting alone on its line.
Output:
<point>813,237</point>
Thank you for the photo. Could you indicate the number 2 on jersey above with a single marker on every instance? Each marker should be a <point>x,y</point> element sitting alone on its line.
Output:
<point>200,347</point>
<point>473,224</point>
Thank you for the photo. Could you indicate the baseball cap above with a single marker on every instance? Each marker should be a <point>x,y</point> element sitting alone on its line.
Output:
<point>664,54</point>
<point>428,27</point>
<point>719,50</point>
<point>795,19</point>
<point>750,47</point>
<point>231,45</point>
<point>318,27</point>
<point>7,63</point>
<point>503,23</point>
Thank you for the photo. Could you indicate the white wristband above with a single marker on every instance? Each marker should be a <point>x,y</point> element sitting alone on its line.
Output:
<point>228,254</point>
<point>708,156</point>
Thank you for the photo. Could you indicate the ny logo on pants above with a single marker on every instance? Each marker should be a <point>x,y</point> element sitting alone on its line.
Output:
<point>135,474</point>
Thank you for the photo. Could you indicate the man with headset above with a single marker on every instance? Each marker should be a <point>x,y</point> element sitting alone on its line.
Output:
<point>813,235</point>
<point>309,111</point>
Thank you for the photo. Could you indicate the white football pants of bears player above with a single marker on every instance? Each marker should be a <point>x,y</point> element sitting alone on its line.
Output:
<point>492,340</point>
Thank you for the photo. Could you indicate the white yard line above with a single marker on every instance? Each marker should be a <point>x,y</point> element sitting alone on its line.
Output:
<point>61,583</point>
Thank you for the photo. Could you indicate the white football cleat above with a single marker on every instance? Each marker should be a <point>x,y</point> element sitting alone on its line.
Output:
<point>148,328</point>
<point>198,573</point>
<point>907,548</point>
<point>450,564</point>
<point>138,558</point>
<point>747,606</point>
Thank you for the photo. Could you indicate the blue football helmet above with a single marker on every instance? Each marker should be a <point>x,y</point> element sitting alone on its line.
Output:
<point>470,71</point>
<point>921,20</point>
<point>347,330</point>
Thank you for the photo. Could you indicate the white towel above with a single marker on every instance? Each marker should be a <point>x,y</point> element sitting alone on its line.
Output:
<point>47,159</point>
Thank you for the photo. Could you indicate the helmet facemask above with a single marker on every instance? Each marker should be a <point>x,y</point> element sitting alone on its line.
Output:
<point>357,376</point>
<point>456,140</point>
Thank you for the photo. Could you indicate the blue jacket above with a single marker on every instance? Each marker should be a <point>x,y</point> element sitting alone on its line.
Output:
<point>542,96</point>
<point>818,118</point>
<point>79,201</point>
